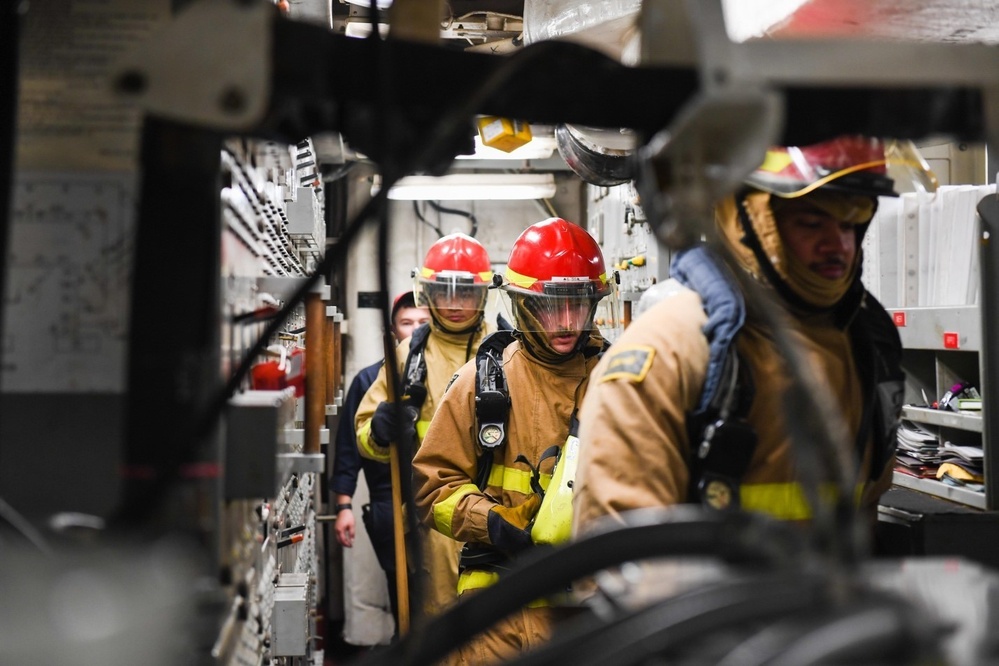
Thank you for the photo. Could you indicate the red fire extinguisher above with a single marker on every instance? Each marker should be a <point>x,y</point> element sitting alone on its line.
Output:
<point>275,375</point>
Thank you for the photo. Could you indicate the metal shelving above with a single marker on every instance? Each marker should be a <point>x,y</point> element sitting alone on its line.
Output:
<point>956,420</point>
<point>947,342</point>
<point>940,489</point>
<point>933,327</point>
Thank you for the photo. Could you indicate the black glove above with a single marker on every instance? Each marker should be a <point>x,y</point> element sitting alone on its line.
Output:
<point>384,428</point>
<point>508,525</point>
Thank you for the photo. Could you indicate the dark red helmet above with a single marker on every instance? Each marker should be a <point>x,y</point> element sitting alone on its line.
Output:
<point>852,164</point>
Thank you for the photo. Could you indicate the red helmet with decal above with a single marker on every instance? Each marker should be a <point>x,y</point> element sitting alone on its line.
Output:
<point>453,282</point>
<point>851,164</point>
<point>555,277</point>
<point>459,255</point>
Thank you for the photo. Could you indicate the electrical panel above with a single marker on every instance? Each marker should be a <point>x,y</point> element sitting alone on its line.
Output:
<point>631,250</point>
<point>273,232</point>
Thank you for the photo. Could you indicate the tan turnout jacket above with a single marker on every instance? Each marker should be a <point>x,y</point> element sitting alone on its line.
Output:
<point>444,470</point>
<point>444,353</point>
<point>634,443</point>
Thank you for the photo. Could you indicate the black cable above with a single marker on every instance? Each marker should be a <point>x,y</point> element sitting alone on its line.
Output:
<point>678,623</point>
<point>339,173</point>
<point>133,512</point>
<point>680,530</point>
<point>402,442</point>
<point>875,628</point>
<point>454,211</point>
<point>204,424</point>
<point>812,426</point>
<point>23,526</point>
<point>10,26</point>
<point>419,216</point>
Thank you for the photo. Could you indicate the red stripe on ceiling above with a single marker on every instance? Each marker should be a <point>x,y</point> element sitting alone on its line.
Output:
<point>830,18</point>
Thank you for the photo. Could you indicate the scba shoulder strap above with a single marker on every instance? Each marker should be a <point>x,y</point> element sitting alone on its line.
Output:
<point>492,399</point>
<point>722,442</point>
<point>414,376</point>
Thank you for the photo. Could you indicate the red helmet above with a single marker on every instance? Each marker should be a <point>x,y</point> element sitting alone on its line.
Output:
<point>458,255</point>
<point>455,277</point>
<point>850,164</point>
<point>556,257</point>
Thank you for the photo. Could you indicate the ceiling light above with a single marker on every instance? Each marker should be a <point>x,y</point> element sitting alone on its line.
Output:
<point>362,28</point>
<point>472,187</point>
<point>381,4</point>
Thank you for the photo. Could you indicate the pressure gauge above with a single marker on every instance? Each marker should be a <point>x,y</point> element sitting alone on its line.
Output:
<point>490,435</point>
<point>718,495</point>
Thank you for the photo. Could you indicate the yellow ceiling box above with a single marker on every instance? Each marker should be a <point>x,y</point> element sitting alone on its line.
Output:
<point>502,133</point>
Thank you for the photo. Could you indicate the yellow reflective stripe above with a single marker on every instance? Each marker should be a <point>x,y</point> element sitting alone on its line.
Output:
<point>786,501</point>
<point>486,276</point>
<point>369,446</point>
<point>775,162</point>
<point>515,480</point>
<point>381,453</point>
<point>444,510</point>
<point>474,579</point>
<point>526,281</point>
<point>522,281</point>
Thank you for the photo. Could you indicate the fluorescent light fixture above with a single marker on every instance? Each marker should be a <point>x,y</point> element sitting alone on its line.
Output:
<point>381,4</point>
<point>362,28</point>
<point>472,187</point>
<point>538,148</point>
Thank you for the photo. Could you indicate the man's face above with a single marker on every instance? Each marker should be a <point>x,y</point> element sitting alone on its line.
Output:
<point>563,321</point>
<point>823,243</point>
<point>407,319</point>
<point>459,306</point>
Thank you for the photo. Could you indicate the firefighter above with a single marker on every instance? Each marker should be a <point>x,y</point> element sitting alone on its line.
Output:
<point>453,285</point>
<point>480,473</point>
<point>796,229</point>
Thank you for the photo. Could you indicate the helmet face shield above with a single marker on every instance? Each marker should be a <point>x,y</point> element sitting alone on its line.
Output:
<point>908,169</point>
<point>555,315</point>
<point>554,278</point>
<point>455,299</point>
<point>556,308</point>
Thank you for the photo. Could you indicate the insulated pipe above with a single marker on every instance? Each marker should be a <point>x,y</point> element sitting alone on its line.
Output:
<point>331,354</point>
<point>315,370</point>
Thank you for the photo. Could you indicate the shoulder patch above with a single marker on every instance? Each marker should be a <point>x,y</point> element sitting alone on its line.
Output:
<point>631,363</point>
